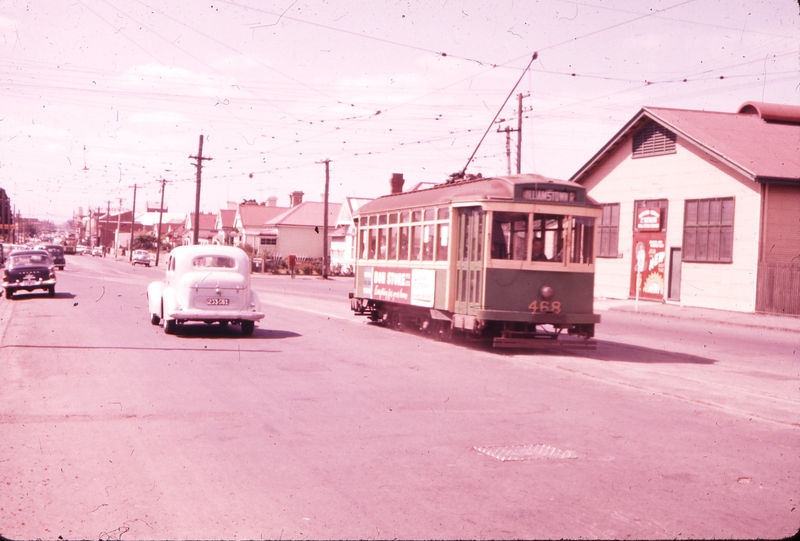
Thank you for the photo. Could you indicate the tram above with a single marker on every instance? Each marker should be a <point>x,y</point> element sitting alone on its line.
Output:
<point>508,258</point>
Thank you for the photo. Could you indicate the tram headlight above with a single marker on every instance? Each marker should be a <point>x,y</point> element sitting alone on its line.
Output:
<point>546,291</point>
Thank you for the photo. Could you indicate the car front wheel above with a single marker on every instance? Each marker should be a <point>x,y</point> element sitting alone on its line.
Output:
<point>154,319</point>
<point>170,326</point>
<point>9,293</point>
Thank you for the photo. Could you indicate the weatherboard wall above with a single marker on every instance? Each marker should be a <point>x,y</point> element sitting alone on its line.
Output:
<point>689,173</point>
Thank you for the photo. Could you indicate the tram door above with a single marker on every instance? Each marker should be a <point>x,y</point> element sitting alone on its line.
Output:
<point>469,260</point>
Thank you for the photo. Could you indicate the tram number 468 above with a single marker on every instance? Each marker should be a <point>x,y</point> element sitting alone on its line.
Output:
<point>545,306</point>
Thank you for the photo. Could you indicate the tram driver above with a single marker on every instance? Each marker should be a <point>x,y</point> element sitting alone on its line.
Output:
<point>537,250</point>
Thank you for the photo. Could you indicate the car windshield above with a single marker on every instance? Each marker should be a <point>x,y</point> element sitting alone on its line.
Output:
<point>214,262</point>
<point>29,259</point>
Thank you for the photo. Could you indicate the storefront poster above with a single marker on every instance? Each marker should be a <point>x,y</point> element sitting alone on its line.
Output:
<point>647,276</point>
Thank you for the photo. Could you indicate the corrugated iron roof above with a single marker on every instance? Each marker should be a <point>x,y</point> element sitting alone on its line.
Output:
<point>761,141</point>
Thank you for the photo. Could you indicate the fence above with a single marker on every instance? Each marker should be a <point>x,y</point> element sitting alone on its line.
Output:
<point>778,289</point>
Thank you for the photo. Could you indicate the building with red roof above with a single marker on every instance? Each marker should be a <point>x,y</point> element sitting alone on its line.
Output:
<point>701,208</point>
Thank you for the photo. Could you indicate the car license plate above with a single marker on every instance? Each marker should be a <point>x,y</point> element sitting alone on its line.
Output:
<point>218,302</point>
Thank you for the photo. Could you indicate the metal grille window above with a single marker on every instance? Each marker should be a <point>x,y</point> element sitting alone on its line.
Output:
<point>708,230</point>
<point>609,231</point>
<point>653,140</point>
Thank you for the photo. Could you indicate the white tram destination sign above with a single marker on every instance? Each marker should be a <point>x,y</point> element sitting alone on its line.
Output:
<point>551,196</point>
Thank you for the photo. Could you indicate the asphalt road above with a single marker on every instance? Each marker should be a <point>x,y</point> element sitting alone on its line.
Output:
<point>323,426</point>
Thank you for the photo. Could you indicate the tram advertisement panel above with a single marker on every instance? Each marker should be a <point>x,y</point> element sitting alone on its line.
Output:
<point>405,286</point>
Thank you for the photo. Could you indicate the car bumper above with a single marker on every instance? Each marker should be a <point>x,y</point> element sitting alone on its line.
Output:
<point>29,286</point>
<point>214,315</point>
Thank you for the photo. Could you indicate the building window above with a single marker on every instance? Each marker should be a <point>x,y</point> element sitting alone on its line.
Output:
<point>653,140</point>
<point>708,230</point>
<point>609,231</point>
<point>268,241</point>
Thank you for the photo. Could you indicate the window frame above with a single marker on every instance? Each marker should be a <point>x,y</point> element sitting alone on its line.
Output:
<point>715,231</point>
<point>608,232</point>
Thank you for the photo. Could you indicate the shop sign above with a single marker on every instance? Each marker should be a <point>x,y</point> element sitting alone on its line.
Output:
<point>648,219</point>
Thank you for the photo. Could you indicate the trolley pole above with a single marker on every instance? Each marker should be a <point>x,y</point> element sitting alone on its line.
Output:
<point>199,166</point>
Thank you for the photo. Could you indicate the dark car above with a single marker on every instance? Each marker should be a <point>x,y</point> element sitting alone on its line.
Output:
<point>28,270</point>
<point>56,252</point>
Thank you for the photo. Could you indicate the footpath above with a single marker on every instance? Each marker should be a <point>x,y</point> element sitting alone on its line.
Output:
<point>676,311</point>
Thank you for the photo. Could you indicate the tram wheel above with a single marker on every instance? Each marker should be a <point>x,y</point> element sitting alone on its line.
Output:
<point>395,321</point>
<point>443,331</point>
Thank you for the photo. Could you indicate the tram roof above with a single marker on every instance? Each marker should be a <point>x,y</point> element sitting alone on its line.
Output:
<point>476,189</point>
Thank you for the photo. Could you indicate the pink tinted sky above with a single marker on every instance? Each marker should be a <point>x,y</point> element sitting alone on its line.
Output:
<point>378,87</point>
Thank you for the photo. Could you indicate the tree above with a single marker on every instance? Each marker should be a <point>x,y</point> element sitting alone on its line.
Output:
<point>144,241</point>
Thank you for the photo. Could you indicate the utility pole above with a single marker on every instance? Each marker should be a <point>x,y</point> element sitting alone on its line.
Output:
<point>133,222</point>
<point>519,131</point>
<point>105,233</point>
<point>119,223</point>
<point>199,166</point>
<point>325,221</point>
<point>160,216</point>
<point>507,130</point>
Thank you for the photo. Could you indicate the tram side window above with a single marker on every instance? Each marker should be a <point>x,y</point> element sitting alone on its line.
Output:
<point>362,249</point>
<point>442,243</point>
<point>373,244</point>
<point>549,232</point>
<point>382,243</point>
<point>583,240</point>
<point>416,242</point>
<point>403,244</point>
<point>392,243</point>
<point>427,242</point>
<point>509,235</point>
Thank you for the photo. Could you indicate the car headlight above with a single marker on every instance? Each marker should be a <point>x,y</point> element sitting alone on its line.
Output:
<point>546,291</point>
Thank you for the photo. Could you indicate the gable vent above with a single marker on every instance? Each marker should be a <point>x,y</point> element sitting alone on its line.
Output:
<point>653,140</point>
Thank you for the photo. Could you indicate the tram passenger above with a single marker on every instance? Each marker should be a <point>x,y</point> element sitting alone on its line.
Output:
<point>537,250</point>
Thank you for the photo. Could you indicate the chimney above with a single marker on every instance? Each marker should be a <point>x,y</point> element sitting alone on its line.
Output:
<point>397,182</point>
<point>272,201</point>
<point>295,198</point>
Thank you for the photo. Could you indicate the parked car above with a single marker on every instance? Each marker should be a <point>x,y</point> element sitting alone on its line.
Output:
<point>205,283</point>
<point>56,252</point>
<point>29,270</point>
<point>97,251</point>
<point>82,249</point>
<point>140,257</point>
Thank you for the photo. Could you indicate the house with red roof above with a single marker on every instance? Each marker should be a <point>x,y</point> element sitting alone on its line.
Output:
<point>205,231</point>
<point>299,230</point>
<point>248,223</point>
<point>701,208</point>
<point>343,237</point>
<point>224,225</point>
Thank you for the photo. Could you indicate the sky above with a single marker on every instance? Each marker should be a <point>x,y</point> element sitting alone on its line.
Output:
<point>100,96</point>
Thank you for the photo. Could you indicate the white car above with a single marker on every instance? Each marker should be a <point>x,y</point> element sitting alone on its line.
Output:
<point>140,257</point>
<point>205,283</point>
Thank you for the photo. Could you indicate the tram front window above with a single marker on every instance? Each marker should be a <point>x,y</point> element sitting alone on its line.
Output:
<point>509,235</point>
<point>583,240</point>
<point>549,236</point>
